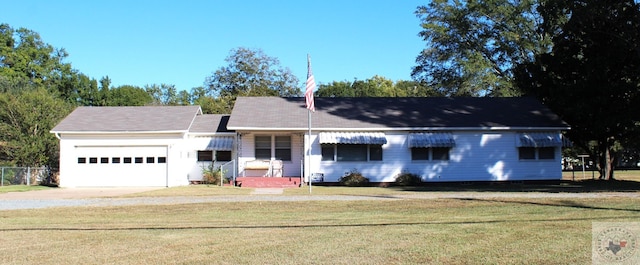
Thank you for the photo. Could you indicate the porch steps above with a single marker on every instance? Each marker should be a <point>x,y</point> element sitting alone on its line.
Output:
<point>265,182</point>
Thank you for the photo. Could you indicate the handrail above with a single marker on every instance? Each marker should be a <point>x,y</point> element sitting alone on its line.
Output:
<point>233,171</point>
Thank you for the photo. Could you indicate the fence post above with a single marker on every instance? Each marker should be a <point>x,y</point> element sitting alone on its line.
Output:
<point>2,179</point>
<point>28,176</point>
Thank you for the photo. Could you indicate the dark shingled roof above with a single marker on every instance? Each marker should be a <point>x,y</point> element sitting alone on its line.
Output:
<point>210,123</point>
<point>129,119</point>
<point>265,113</point>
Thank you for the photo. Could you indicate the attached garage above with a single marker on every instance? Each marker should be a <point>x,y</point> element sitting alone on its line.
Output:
<point>126,146</point>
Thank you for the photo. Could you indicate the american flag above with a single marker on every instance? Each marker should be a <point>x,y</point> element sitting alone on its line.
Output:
<point>311,85</point>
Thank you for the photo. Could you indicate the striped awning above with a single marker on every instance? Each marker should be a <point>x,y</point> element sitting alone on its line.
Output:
<point>221,143</point>
<point>539,139</point>
<point>439,139</point>
<point>352,138</point>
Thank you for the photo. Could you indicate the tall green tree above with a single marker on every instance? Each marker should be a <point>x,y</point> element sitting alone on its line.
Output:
<point>26,117</point>
<point>250,72</point>
<point>128,96</point>
<point>104,93</point>
<point>472,46</point>
<point>26,59</point>
<point>375,86</point>
<point>591,78</point>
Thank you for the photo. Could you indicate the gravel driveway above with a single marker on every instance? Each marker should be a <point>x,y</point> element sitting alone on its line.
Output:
<point>108,197</point>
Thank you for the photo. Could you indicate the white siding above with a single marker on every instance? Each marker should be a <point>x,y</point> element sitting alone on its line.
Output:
<point>477,156</point>
<point>193,167</point>
<point>73,174</point>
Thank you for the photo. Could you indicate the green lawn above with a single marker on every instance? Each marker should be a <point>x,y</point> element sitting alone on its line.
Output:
<point>447,231</point>
<point>443,231</point>
<point>21,188</point>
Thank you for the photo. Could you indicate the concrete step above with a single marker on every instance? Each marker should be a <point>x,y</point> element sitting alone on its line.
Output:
<point>263,182</point>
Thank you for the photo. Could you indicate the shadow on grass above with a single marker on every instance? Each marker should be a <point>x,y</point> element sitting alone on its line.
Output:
<point>561,203</point>
<point>550,187</point>
<point>304,226</point>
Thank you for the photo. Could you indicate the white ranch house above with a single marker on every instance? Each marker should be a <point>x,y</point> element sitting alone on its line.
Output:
<point>439,139</point>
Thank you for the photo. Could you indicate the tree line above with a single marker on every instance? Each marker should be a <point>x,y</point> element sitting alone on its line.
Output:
<point>581,58</point>
<point>38,89</point>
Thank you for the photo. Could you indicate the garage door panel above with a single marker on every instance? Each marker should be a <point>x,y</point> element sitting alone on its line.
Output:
<point>122,166</point>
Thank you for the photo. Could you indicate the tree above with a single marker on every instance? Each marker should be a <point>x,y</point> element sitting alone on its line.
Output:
<point>473,45</point>
<point>251,73</point>
<point>88,93</point>
<point>591,78</point>
<point>25,120</point>
<point>128,96</point>
<point>335,89</point>
<point>26,59</point>
<point>375,86</point>
<point>104,93</point>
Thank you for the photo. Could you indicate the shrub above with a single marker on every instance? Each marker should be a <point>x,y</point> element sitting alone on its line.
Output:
<point>212,176</point>
<point>353,178</point>
<point>407,179</point>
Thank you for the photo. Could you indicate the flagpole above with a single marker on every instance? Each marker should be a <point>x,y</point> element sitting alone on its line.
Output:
<point>309,102</point>
<point>309,149</point>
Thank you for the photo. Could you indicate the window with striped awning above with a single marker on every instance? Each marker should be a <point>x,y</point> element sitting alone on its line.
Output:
<point>539,139</point>
<point>221,143</point>
<point>431,139</point>
<point>376,138</point>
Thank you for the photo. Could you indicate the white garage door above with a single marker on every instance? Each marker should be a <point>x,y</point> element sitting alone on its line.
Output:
<point>122,166</point>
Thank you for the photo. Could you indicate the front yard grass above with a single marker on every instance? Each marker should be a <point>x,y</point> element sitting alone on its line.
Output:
<point>21,188</point>
<point>444,231</point>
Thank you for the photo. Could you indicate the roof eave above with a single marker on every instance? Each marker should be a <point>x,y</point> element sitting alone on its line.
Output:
<point>212,133</point>
<point>119,132</point>
<point>487,128</point>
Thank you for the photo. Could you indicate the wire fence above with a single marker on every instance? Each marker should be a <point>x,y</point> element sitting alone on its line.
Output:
<point>23,175</point>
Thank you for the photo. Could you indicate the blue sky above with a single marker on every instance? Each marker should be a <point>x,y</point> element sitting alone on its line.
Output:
<point>183,42</point>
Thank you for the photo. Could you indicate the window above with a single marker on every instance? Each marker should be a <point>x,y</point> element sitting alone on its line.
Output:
<point>223,156</point>
<point>546,153</point>
<point>162,160</point>
<point>328,152</point>
<point>205,155</point>
<point>208,156</point>
<point>151,160</point>
<point>138,160</point>
<point>82,160</point>
<point>351,152</point>
<point>281,147</point>
<point>440,153</point>
<point>115,160</point>
<point>435,153</point>
<point>263,147</point>
<point>526,153</point>
<point>93,160</point>
<point>532,153</point>
<point>104,160</point>
<point>126,160</point>
<point>419,153</point>
<point>375,152</point>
